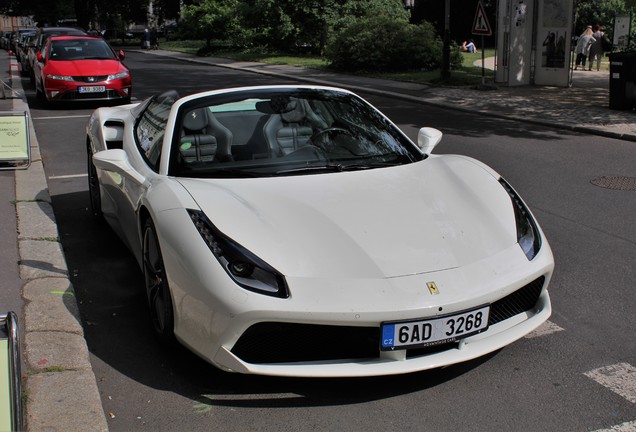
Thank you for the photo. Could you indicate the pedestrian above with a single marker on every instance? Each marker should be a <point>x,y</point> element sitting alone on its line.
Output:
<point>583,47</point>
<point>146,39</point>
<point>469,46</point>
<point>596,50</point>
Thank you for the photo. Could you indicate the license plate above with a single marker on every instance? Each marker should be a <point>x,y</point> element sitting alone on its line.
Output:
<point>421,333</point>
<point>92,89</point>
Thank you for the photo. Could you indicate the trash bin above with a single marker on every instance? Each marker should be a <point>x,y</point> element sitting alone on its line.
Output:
<point>622,86</point>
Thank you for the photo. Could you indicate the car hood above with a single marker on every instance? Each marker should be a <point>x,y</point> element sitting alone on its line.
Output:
<point>83,67</point>
<point>437,214</point>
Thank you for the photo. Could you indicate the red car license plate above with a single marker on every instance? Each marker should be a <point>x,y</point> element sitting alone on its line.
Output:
<point>92,89</point>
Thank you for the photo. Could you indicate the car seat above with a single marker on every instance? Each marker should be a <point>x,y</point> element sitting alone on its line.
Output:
<point>288,131</point>
<point>204,138</point>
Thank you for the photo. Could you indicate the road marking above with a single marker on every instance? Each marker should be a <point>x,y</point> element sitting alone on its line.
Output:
<point>545,329</point>
<point>620,378</point>
<point>61,117</point>
<point>623,427</point>
<point>67,176</point>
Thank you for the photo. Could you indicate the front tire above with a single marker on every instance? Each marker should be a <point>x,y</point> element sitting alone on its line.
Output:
<point>157,289</point>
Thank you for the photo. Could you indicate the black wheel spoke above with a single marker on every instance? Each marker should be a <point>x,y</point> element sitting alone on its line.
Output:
<point>157,290</point>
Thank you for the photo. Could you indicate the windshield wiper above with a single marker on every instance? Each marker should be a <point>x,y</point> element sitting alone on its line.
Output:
<point>220,173</point>
<point>334,168</point>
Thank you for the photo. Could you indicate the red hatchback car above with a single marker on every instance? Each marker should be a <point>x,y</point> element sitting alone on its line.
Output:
<point>71,68</point>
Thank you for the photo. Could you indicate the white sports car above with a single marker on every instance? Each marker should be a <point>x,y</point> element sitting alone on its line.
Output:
<point>296,231</point>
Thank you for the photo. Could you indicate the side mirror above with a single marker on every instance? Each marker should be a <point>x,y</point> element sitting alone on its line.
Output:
<point>40,57</point>
<point>122,55</point>
<point>428,138</point>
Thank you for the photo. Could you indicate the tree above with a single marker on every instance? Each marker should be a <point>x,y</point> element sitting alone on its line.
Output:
<point>44,12</point>
<point>383,44</point>
<point>267,23</point>
<point>211,19</point>
<point>602,12</point>
<point>292,24</point>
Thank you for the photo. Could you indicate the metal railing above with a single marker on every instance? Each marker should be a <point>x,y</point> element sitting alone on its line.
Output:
<point>9,330</point>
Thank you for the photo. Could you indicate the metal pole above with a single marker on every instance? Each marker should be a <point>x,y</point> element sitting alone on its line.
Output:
<point>446,49</point>
<point>483,62</point>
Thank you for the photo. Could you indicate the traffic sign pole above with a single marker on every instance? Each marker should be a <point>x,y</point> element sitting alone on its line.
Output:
<point>481,27</point>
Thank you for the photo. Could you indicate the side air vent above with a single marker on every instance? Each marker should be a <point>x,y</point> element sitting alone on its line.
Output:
<point>114,134</point>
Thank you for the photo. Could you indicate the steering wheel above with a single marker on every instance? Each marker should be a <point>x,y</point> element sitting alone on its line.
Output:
<point>330,130</point>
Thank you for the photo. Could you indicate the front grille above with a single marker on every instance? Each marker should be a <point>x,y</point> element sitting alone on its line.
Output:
<point>274,342</point>
<point>73,95</point>
<point>91,79</point>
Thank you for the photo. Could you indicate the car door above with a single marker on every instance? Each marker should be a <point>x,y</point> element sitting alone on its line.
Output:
<point>38,67</point>
<point>144,158</point>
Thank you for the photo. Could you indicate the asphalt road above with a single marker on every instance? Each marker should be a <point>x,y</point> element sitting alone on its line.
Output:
<point>543,383</point>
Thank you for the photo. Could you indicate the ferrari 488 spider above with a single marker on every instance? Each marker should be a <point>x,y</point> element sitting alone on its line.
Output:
<point>297,231</point>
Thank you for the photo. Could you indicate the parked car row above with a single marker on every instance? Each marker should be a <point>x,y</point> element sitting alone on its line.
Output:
<point>66,64</point>
<point>12,40</point>
<point>5,37</point>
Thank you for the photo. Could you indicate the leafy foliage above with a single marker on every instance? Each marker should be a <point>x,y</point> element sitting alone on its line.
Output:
<point>210,19</point>
<point>600,12</point>
<point>385,44</point>
<point>294,25</point>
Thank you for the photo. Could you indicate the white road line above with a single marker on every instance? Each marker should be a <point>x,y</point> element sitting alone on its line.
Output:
<point>61,117</point>
<point>545,329</point>
<point>620,378</point>
<point>67,176</point>
<point>623,427</point>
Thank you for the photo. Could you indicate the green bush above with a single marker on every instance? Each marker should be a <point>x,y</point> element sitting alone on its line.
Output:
<point>379,44</point>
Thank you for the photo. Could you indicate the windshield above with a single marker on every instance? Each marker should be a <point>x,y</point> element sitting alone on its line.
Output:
<point>81,49</point>
<point>284,132</point>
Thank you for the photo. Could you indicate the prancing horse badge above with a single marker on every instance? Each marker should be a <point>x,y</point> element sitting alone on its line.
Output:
<point>432,288</point>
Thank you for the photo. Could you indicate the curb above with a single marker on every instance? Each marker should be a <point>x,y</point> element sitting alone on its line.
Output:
<point>60,386</point>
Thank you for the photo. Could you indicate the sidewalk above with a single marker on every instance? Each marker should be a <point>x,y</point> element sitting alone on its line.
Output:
<point>61,387</point>
<point>58,382</point>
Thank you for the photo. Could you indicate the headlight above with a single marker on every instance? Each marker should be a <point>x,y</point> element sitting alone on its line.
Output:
<point>59,77</point>
<point>528,235</point>
<point>245,268</point>
<point>119,75</point>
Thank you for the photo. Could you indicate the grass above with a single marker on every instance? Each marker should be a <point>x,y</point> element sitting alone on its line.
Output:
<point>467,74</point>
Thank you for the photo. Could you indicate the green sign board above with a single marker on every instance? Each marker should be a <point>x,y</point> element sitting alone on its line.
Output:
<point>14,140</point>
<point>5,387</point>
